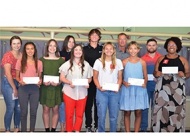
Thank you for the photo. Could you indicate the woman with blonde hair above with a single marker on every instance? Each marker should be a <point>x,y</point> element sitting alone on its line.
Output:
<point>107,70</point>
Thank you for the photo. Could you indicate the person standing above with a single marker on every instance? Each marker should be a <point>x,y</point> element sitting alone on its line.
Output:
<point>121,53</point>
<point>10,85</point>
<point>92,52</point>
<point>28,66</point>
<point>107,69</point>
<point>65,53</point>
<point>75,96</point>
<point>150,58</point>
<point>134,97</point>
<point>50,92</point>
<point>170,98</point>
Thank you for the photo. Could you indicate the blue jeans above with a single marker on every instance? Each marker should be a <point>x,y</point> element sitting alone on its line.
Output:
<point>62,113</point>
<point>110,100</point>
<point>12,106</point>
<point>144,119</point>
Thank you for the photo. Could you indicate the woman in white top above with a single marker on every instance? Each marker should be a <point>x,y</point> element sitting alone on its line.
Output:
<point>107,71</point>
<point>75,95</point>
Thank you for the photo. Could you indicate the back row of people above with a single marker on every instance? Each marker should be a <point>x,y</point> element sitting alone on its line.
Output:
<point>109,64</point>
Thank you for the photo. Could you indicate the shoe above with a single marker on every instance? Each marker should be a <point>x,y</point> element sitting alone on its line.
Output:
<point>88,129</point>
<point>122,129</point>
<point>95,129</point>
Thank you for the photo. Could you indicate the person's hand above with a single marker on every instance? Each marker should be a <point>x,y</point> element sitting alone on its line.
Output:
<point>126,84</point>
<point>54,84</point>
<point>144,85</point>
<point>46,83</point>
<point>39,82</point>
<point>181,74</point>
<point>100,88</point>
<point>71,84</point>
<point>86,86</point>
<point>158,74</point>
<point>15,92</point>
<point>22,83</point>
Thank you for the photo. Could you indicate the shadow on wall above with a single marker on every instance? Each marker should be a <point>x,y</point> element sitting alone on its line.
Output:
<point>41,45</point>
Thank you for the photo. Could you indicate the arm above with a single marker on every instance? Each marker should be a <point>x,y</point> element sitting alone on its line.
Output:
<point>7,69</point>
<point>95,79</point>
<point>124,64</point>
<point>144,73</point>
<point>158,73</point>
<point>64,80</point>
<point>120,74</point>
<point>186,67</point>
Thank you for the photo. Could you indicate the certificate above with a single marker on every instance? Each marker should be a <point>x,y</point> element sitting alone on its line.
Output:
<point>31,80</point>
<point>169,70</point>
<point>13,97</point>
<point>48,78</point>
<point>80,82</point>
<point>110,86</point>
<point>150,77</point>
<point>136,81</point>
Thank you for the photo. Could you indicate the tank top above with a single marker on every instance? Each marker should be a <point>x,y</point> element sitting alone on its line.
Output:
<point>167,62</point>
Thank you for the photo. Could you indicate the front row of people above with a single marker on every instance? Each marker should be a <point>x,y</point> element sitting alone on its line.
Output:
<point>113,78</point>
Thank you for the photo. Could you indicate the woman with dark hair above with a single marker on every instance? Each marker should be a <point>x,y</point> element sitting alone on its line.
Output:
<point>75,96</point>
<point>170,99</point>
<point>10,85</point>
<point>50,91</point>
<point>28,92</point>
<point>68,44</point>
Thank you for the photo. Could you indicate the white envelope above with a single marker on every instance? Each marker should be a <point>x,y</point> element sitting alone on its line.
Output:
<point>31,80</point>
<point>136,81</point>
<point>80,82</point>
<point>110,86</point>
<point>169,70</point>
<point>13,97</point>
<point>150,77</point>
<point>48,78</point>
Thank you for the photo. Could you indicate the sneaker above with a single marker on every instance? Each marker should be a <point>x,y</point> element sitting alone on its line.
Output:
<point>88,129</point>
<point>95,129</point>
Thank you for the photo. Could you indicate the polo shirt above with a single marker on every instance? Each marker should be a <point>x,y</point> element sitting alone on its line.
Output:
<point>120,54</point>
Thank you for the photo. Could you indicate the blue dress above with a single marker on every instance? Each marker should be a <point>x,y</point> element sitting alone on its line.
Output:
<point>133,97</point>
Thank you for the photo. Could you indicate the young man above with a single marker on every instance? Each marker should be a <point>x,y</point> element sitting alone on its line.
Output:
<point>92,52</point>
<point>150,58</point>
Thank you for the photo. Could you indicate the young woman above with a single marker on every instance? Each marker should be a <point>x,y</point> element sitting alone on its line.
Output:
<point>50,92</point>
<point>28,66</point>
<point>68,44</point>
<point>133,97</point>
<point>75,96</point>
<point>107,69</point>
<point>10,85</point>
<point>170,98</point>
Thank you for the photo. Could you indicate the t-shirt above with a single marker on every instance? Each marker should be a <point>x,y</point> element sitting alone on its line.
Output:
<point>107,75</point>
<point>8,57</point>
<point>78,92</point>
<point>30,70</point>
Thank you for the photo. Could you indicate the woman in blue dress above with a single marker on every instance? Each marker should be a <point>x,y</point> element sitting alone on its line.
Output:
<point>133,97</point>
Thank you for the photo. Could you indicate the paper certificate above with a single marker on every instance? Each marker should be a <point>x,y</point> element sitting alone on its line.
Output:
<point>13,97</point>
<point>48,78</point>
<point>169,70</point>
<point>110,86</point>
<point>31,80</point>
<point>136,81</point>
<point>150,77</point>
<point>80,82</point>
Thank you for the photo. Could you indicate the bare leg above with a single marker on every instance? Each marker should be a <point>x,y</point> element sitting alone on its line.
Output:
<point>45,115</point>
<point>137,120</point>
<point>62,127</point>
<point>127,115</point>
<point>55,116</point>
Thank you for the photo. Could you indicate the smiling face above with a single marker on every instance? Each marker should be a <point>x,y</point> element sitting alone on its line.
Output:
<point>52,47</point>
<point>172,47</point>
<point>30,50</point>
<point>16,44</point>
<point>108,50</point>
<point>122,41</point>
<point>133,50</point>
<point>71,43</point>
<point>78,52</point>
<point>94,37</point>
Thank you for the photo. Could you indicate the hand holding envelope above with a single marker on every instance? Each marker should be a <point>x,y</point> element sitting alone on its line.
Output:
<point>110,86</point>
<point>136,81</point>
<point>31,80</point>
<point>80,82</point>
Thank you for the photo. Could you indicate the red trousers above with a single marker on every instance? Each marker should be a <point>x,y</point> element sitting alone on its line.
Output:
<point>74,107</point>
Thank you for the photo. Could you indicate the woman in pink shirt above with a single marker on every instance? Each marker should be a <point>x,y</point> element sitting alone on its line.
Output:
<point>28,66</point>
<point>10,85</point>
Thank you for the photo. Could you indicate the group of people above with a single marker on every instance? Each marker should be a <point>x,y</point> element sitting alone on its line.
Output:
<point>110,74</point>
